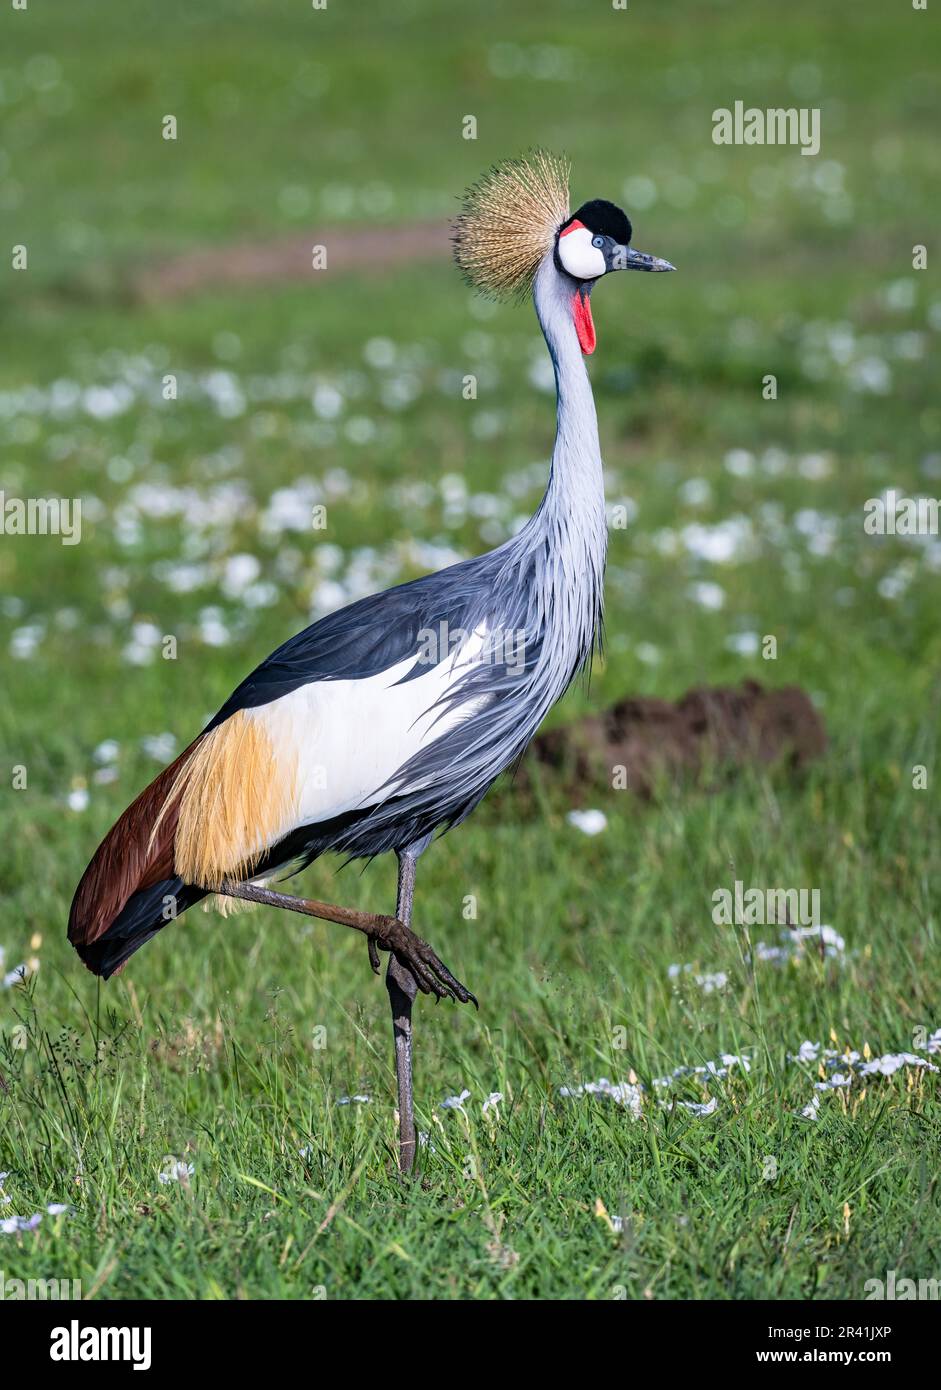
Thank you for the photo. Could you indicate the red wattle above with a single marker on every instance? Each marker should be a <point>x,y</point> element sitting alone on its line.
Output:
<point>584,324</point>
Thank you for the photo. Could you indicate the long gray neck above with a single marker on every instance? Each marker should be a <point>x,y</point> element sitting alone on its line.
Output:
<point>576,458</point>
<point>569,529</point>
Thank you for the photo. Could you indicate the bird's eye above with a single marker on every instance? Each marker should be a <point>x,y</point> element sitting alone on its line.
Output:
<point>598,241</point>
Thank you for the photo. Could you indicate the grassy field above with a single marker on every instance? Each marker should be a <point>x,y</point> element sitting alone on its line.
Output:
<point>237,1047</point>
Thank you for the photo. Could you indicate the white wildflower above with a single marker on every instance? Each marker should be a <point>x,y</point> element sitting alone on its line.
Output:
<point>588,822</point>
<point>698,1108</point>
<point>175,1170</point>
<point>455,1102</point>
<point>628,1094</point>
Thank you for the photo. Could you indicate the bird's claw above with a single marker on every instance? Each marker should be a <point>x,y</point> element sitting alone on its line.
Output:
<point>431,974</point>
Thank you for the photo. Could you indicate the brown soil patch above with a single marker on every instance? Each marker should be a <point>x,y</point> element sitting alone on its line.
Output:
<point>365,250</point>
<point>710,731</point>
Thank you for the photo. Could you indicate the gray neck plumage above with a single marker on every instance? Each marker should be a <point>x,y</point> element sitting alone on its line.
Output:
<point>576,458</point>
<point>570,521</point>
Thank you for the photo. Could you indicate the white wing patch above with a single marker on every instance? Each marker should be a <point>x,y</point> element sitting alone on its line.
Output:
<point>343,740</point>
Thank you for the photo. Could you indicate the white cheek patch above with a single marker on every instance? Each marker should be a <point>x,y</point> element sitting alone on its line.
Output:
<point>578,256</point>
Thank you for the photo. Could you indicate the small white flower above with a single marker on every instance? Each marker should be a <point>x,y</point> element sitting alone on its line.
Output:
<point>892,1062</point>
<point>731,1059</point>
<point>25,640</point>
<point>12,1225</point>
<point>696,492</point>
<point>834,1082</point>
<point>57,1208</point>
<point>175,1170</point>
<point>240,571</point>
<point>707,595</point>
<point>739,462</point>
<point>743,643</point>
<point>160,747</point>
<point>776,954</point>
<point>697,1108</point>
<point>629,1094</point>
<point>811,1111</point>
<point>492,1101</point>
<point>709,983</point>
<point>212,629</point>
<point>455,1102</point>
<point>832,938</point>
<point>647,653</point>
<point>720,544</point>
<point>354,1100</point>
<point>588,822</point>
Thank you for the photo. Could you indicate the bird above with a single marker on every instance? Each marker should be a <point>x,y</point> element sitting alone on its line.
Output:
<point>382,725</point>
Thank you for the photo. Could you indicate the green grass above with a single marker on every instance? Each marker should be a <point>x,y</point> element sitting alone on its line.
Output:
<point>209,1047</point>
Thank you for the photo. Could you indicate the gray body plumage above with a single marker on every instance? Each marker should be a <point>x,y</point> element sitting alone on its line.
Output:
<point>538,597</point>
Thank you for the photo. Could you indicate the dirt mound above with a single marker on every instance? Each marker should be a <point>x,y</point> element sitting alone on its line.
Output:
<point>711,730</point>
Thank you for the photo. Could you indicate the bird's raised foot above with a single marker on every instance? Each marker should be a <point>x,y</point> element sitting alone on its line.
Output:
<point>431,974</point>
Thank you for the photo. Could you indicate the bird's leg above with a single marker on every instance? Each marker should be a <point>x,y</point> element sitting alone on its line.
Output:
<point>403,986</point>
<point>431,975</point>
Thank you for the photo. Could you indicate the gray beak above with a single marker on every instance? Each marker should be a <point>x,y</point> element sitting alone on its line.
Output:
<point>626,258</point>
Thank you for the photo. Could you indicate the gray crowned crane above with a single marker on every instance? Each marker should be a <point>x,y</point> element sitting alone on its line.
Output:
<point>386,722</point>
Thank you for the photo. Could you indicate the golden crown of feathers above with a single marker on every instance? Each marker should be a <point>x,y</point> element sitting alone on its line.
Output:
<point>508,222</point>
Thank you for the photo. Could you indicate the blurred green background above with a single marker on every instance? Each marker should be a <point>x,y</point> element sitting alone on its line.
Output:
<point>342,388</point>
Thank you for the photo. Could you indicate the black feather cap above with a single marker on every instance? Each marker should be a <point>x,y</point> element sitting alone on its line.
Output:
<point>604,219</point>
